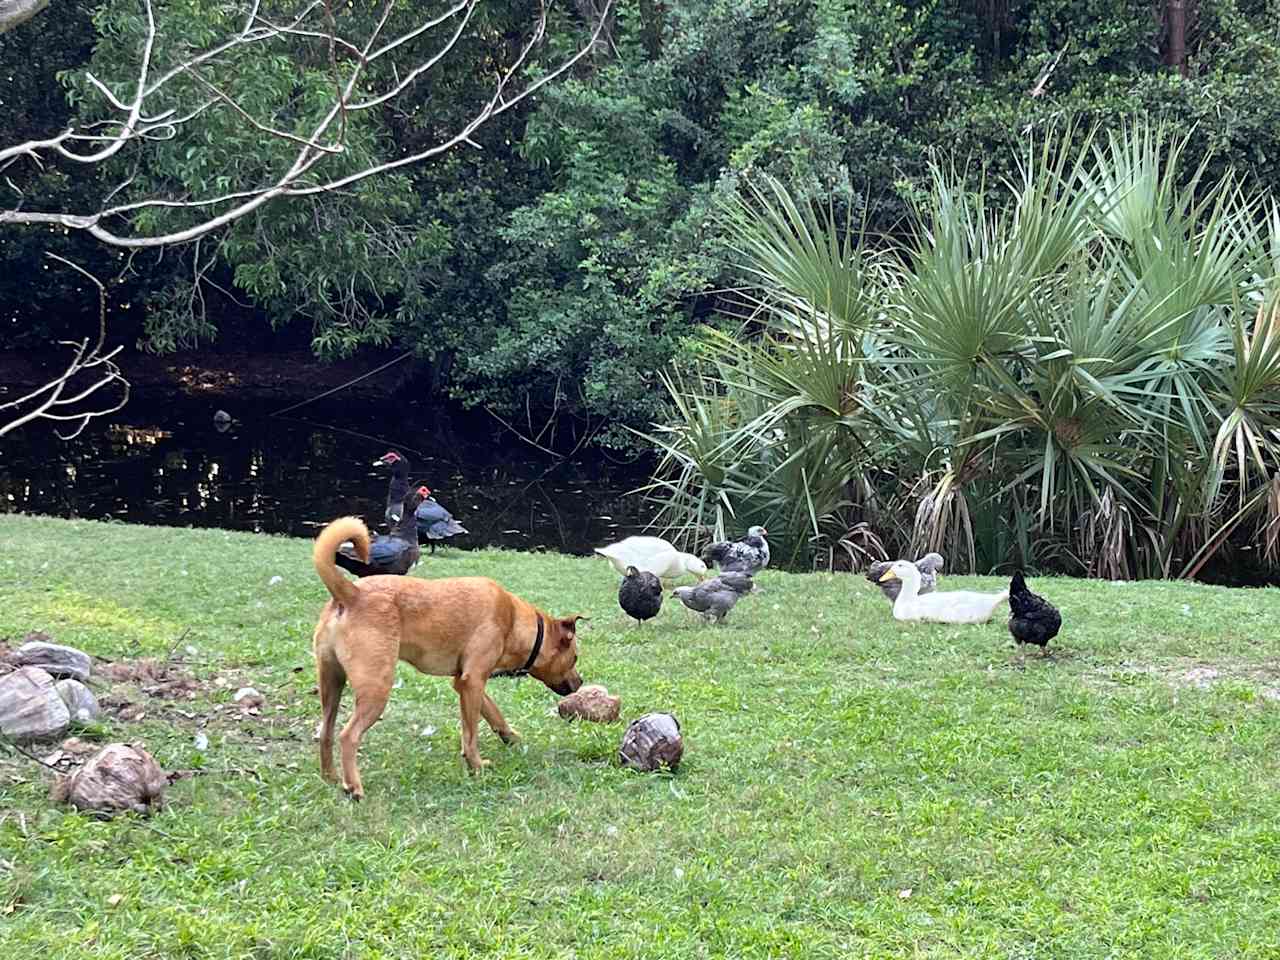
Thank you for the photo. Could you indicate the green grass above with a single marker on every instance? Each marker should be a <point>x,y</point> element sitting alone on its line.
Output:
<point>851,787</point>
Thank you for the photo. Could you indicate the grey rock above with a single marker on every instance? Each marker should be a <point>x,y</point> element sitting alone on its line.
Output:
<point>80,701</point>
<point>53,658</point>
<point>30,708</point>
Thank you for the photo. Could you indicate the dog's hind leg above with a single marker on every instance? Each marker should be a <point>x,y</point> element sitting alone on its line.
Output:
<point>330,679</point>
<point>497,723</point>
<point>371,679</point>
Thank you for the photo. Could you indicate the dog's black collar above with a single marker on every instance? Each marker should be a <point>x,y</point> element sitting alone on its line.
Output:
<point>533,657</point>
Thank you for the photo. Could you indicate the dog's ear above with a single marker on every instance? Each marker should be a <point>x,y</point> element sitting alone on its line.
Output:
<point>569,625</point>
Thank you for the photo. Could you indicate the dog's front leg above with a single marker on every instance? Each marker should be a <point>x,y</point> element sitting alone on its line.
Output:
<point>471,695</point>
<point>497,723</point>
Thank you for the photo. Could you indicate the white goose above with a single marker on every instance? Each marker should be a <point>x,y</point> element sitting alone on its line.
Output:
<point>652,555</point>
<point>951,606</point>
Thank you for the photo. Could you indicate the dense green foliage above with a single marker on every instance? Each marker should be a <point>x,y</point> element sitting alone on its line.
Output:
<point>558,268</point>
<point>851,787</point>
<point>1085,377</point>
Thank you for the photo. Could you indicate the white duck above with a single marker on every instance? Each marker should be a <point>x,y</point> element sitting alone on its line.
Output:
<point>652,555</point>
<point>951,606</point>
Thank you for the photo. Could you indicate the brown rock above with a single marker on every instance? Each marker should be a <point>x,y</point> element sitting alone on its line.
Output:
<point>651,742</point>
<point>592,702</point>
<point>30,708</point>
<point>118,778</point>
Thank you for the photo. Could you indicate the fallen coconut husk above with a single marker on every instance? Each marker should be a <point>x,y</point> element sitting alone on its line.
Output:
<point>651,742</point>
<point>142,670</point>
<point>118,778</point>
<point>158,678</point>
<point>592,702</point>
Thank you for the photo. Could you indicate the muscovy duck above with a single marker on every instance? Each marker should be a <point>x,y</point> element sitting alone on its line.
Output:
<point>1032,618</point>
<point>393,553</point>
<point>929,566</point>
<point>397,486</point>
<point>436,523</point>
<point>640,595</point>
<point>714,598</point>
<point>748,555</point>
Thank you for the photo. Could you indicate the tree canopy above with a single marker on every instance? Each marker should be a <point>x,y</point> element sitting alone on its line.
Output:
<point>553,267</point>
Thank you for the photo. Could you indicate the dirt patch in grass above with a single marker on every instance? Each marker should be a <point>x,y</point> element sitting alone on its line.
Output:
<point>1187,673</point>
<point>172,692</point>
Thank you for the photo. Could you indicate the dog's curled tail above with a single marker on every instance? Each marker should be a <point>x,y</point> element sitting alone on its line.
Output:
<point>331,537</point>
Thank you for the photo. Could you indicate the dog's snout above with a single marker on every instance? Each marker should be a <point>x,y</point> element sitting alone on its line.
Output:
<point>568,685</point>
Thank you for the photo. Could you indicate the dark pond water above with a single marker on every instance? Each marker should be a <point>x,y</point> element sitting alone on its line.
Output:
<point>170,465</point>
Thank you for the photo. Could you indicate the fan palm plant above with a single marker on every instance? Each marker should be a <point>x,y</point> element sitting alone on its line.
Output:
<point>790,456</point>
<point>1063,362</point>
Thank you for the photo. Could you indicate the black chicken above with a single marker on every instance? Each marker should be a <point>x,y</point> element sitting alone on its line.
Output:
<point>1032,618</point>
<point>392,553</point>
<point>640,595</point>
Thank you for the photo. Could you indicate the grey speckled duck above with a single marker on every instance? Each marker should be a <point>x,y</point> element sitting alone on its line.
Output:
<point>930,565</point>
<point>748,555</point>
<point>714,598</point>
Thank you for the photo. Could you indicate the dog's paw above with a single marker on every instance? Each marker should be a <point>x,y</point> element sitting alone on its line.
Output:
<point>509,736</point>
<point>476,766</point>
<point>355,794</point>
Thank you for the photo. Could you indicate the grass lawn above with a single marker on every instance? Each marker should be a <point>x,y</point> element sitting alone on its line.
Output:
<point>851,787</point>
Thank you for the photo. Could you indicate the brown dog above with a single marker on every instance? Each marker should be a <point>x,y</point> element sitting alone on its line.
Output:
<point>467,628</point>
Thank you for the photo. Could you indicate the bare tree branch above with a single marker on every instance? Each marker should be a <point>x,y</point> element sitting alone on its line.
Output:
<point>49,401</point>
<point>303,175</point>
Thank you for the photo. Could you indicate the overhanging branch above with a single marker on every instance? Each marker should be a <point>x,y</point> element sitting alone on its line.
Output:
<point>303,175</point>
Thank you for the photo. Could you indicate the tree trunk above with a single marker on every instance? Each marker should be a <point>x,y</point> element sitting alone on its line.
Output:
<point>1176,51</point>
<point>651,27</point>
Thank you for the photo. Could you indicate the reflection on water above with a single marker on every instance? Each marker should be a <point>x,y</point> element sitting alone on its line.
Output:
<point>173,466</point>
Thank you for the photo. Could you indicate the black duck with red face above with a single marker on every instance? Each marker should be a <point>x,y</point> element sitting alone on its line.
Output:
<point>393,553</point>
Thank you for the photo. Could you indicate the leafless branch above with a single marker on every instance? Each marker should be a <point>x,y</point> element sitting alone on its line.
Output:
<point>1046,72</point>
<point>51,401</point>
<point>304,173</point>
